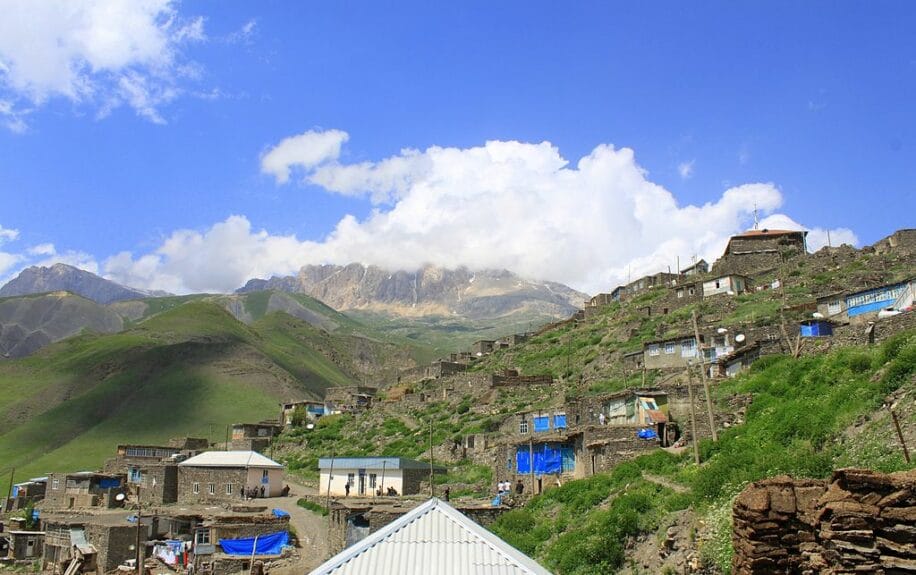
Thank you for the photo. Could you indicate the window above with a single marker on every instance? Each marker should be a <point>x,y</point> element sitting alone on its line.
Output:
<point>372,477</point>
<point>211,488</point>
<point>264,475</point>
<point>690,291</point>
<point>680,293</point>
<point>469,441</point>
<point>134,475</point>
<point>717,284</point>
<point>195,487</point>
<point>541,423</point>
<point>229,489</point>
<point>669,348</point>
<point>202,536</point>
<point>653,349</point>
<point>833,307</point>
<point>523,426</point>
<point>559,421</point>
<point>55,484</point>
<point>351,477</point>
<point>688,348</point>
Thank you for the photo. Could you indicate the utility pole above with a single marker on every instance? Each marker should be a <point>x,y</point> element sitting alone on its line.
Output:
<point>712,419</point>
<point>140,553</point>
<point>227,437</point>
<point>432,489</point>
<point>693,419</point>
<point>906,452</point>
<point>9,491</point>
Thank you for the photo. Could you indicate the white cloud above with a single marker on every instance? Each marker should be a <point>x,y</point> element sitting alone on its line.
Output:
<point>42,250</point>
<point>500,205</point>
<point>102,52</point>
<point>244,34</point>
<point>305,151</point>
<point>7,234</point>
<point>685,169</point>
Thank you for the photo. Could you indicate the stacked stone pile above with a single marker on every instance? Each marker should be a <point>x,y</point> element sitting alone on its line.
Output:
<point>859,522</point>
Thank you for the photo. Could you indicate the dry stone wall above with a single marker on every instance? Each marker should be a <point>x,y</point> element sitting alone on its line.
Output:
<point>859,522</point>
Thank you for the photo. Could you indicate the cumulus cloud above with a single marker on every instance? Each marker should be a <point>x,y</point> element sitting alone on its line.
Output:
<point>304,151</point>
<point>504,204</point>
<point>102,52</point>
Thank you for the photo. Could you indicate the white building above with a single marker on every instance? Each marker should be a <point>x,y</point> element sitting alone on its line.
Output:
<point>433,538</point>
<point>368,475</point>
<point>731,285</point>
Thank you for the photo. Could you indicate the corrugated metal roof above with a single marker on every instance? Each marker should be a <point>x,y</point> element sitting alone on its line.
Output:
<point>432,539</point>
<point>231,459</point>
<point>374,463</point>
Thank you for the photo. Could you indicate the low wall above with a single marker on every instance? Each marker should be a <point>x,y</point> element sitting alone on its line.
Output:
<point>858,522</point>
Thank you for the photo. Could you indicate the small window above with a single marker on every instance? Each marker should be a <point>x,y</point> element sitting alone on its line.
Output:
<point>264,474</point>
<point>680,293</point>
<point>523,426</point>
<point>229,489</point>
<point>717,284</point>
<point>833,307</point>
<point>559,421</point>
<point>669,348</point>
<point>211,488</point>
<point>372,477</point>
<point>690,291</point>
<point>202,536</point>
<point>55,484</point>
<point>653,349</point>
<point>351,479</point>
<point>195,487</point>
<point>688,348</point>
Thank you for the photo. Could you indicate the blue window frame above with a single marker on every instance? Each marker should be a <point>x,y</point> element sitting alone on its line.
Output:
<point>559,421</point>
<point>542,423</point>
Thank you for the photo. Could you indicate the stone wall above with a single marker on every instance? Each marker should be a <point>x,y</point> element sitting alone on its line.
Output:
<point>203,476</point>
<point>859,522</point>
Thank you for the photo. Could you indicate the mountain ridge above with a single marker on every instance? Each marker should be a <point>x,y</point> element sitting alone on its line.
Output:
<point>63,277</point>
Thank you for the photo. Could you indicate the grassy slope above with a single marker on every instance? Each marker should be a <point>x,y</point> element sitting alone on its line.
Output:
<point>795,425</point>
<point>190,370</point>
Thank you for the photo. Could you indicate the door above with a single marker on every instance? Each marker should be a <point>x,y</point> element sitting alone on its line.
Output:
<point>30,548</point>
<point>362,482</point>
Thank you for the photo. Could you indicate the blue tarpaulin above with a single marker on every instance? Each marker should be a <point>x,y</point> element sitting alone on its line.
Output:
<point>109,483</point>
<point>280,513</point>
<point>647,434</point>
<point>270,544</point>
<point>542,423</point>
<point>548,458</point>
<point>559,421</point>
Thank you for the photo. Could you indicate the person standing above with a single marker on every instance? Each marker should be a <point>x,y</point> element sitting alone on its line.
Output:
<point>347,489</point>
<point>447,493</point>
<point>519,487</point>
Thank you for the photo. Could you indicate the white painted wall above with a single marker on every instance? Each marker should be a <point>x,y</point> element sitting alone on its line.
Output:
<point>392,478</point>
<point>274,484</point>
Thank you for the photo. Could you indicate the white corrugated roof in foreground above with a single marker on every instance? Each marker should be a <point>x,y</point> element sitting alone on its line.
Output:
<point>432,539</point>
<point>231,459</point>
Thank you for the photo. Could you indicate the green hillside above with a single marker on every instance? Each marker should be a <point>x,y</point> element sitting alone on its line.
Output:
<point>191,370</point>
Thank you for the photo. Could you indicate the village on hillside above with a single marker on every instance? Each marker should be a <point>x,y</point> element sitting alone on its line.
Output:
<point>194,506</point>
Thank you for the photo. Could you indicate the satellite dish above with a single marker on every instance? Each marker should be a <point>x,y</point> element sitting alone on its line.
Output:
<point>740,337</point>
<point>721,330</point>
<point>119,497</point>
<point>310,426</point>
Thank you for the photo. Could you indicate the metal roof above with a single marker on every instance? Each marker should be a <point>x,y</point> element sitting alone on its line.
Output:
<point>373,463</point>
<point>432,539</point>
<point>231,459</point>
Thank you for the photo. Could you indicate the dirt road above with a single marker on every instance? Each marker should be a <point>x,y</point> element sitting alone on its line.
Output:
<point>311,528</point>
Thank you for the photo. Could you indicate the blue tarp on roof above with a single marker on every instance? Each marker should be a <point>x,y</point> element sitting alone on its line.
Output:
<point>279,513</point>
<point>647,434</point>
<point>270,544</point>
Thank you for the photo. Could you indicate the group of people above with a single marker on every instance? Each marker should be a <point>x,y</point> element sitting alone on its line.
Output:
<point>251,492</point>
<point>505,487</point>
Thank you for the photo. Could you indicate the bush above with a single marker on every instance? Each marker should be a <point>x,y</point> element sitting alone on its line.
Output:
<point>312,506</point>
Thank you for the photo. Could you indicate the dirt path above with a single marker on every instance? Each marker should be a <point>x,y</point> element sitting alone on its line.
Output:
<point>311,528</point>
<point>676,487</point>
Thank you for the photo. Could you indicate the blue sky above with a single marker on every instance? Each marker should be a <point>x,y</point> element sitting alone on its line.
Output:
<point>146,163</point>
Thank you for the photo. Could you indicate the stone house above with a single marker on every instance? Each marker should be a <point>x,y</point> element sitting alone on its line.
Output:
<point>687,292</point>
<point>757,251</point>
<point>482,347</point>
<point>84,489</point>
<point>739,360</point>
<point>729,284</point>
<point>97,543</point>
<point>671,352</point>
<point>254,436</point>
<point>349,398</point>
<point>152,470</point>
<point>864,305</point>
<point>314,410</point>
<point>697,269</point>
<point>602,299</point>
<point>221,476</point>
<point>31,491</point>
<point>367,475</point>
<point>25,545</point>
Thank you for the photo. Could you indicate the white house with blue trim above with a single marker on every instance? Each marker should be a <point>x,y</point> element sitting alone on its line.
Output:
<point>368,476</point>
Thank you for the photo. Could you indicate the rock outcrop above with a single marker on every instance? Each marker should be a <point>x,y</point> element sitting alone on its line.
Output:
<point>858,522</point>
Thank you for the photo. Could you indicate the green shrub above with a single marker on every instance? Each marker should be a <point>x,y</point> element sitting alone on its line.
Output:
<point>312,506</point>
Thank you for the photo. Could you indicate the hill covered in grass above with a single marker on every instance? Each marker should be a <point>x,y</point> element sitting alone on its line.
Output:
<point>191,369</point>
